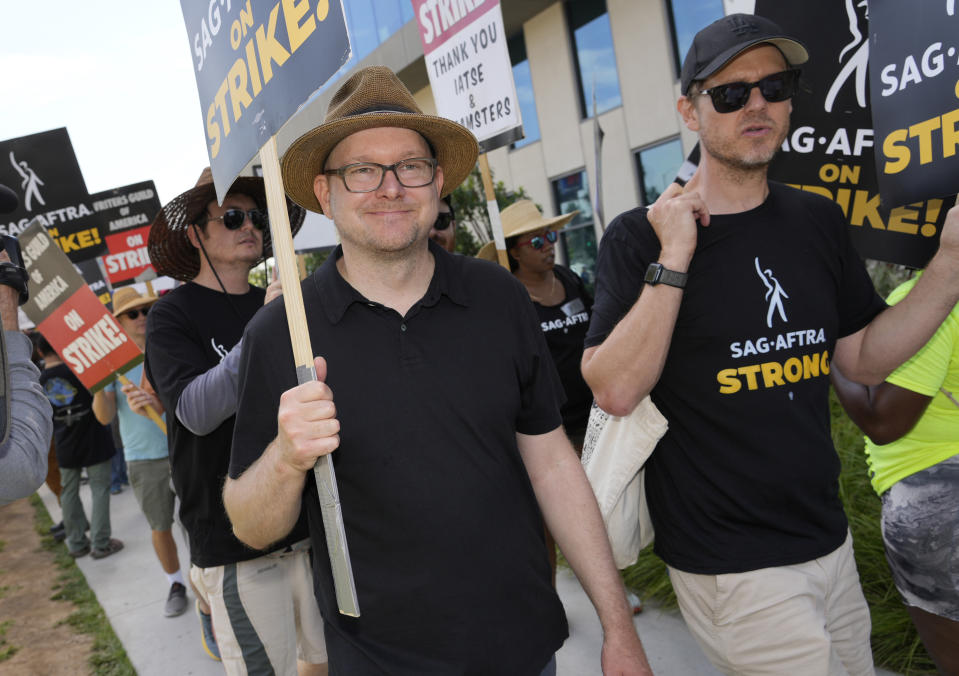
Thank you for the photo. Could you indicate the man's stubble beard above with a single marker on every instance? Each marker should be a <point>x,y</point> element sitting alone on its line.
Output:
<point>737,165</point>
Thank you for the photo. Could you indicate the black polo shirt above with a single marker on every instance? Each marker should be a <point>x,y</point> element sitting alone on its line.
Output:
<point>444,532</point>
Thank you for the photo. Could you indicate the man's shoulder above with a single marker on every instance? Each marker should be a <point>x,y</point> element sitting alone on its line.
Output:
<point>273,314</point>
<point>478,275</point>
<point>793,198</point>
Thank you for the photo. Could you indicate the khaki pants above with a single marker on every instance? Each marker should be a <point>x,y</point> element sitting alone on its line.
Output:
<point>809,618</point>
<point>264,613</point>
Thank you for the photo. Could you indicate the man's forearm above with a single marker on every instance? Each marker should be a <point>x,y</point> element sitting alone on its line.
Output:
<point>265,501</point>
<point>104,407</point>
<point>898,332</point>
<point>627,365</point>
<point>572,516</point>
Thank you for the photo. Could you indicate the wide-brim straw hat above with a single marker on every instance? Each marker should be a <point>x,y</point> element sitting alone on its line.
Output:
<point>170,249</point>
<point>488,252</point>
<point>375,97</point>
<point>127,298</point>
<point>523,216</point>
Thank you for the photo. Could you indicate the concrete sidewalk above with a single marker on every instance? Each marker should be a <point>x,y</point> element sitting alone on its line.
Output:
<point>132,589</point>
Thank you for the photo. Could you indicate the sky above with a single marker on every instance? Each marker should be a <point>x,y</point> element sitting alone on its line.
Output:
<point>118,75</point>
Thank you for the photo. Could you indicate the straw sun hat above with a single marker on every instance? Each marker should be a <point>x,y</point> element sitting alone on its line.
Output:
<point>375,97</point>
<point>520,218</point>
<point>170,250</point>
<point>127,298</point>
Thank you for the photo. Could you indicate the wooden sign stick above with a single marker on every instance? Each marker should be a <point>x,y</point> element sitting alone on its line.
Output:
<point>493,209</point>
<point>282,239</point>
<point>152,412</point>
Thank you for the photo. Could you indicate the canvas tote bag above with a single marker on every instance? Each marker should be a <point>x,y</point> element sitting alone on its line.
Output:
<point>614,451</point>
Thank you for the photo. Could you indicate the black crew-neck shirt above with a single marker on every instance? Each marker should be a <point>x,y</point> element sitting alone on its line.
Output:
<point>564,326</point>
<point>189,331</point>
<point>746,477</point>
<point>444,532</point>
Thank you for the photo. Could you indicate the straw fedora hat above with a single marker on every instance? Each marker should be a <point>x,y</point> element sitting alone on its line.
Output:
<point>127,298</point>
<point>487,252</point>
<point>375,97</point>
<point>523,216</point>
<point>170,250</point>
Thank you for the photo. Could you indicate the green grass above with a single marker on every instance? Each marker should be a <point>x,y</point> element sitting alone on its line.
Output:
<point>108,657</point>
<point>6,650</point>
<point>895,642</point>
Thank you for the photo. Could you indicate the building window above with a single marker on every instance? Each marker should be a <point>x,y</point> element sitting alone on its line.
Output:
<point>595,59</point>
<point>656,166</point>
<point>524,90</point>
<point>577,240</point>
<point>688,17</point>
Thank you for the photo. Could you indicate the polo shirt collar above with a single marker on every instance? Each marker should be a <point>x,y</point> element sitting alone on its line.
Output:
<point>336,294</point>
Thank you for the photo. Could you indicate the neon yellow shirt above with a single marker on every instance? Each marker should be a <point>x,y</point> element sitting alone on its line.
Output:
<point>936,436</point>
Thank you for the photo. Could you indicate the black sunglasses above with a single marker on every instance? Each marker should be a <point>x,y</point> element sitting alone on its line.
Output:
<point>443,220</point>
<point>133,314</point>
<point>732,96</point>
<point>233,219</point>
<point>539,241</point>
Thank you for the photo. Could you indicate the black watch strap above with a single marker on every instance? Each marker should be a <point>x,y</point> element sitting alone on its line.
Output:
<point>657,274</point>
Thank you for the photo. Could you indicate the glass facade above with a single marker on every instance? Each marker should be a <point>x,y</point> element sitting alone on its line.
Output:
<point>595,58</point>
<point>657,166</point>
<point>372,22</point>
<point>687,18</point>
<point>524,90</point>
<point>577,240</point>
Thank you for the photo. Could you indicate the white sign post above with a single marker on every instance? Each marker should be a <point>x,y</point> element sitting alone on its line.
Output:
<point>464,46</point>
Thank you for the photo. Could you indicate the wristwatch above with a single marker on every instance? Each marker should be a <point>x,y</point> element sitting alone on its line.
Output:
<point>657,274</point>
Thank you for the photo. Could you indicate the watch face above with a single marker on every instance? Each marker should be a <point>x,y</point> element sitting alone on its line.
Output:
<point>653,273</point>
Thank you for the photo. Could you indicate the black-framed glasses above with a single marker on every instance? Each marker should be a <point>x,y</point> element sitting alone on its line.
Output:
<point>233,219</point>
<point>133,314</point>
<point>539,241</point>
<point>443,220</point>
<point>732,96</point>
<point>414,172</point>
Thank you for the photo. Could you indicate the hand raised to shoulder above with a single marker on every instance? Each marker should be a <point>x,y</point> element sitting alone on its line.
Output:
<point>674,217</point>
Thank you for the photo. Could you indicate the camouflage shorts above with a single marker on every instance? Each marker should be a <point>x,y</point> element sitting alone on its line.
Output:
<point>920,529</point>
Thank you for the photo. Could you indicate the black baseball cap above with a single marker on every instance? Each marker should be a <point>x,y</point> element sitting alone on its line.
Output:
<point>721,41</point>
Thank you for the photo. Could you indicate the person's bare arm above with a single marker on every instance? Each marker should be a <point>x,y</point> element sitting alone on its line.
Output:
<point>104,406</point>
<point>871,354</point>
<point>627,365</point>
<point>572,516</point>
<point>264,502</point>
<point>885,412</point>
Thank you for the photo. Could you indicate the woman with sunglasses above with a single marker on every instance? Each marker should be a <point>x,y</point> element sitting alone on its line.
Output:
<point>560,298</point>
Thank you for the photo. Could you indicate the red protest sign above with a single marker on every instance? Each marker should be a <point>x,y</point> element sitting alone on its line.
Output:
<point>89,340</point>
<point>70,316</point>
<point>128,257</point>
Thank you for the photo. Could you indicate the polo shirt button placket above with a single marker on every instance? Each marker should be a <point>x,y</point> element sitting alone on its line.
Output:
<point>403,327</point>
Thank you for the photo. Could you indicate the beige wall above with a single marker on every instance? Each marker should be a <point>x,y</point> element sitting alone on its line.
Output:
<point>649,89</point>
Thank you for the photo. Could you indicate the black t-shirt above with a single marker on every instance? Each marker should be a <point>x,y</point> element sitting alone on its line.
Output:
<point>564,326</point>
<point>81,441</point>
<point>747,476</point>
<point>444,532</point>
<point>189,331</point>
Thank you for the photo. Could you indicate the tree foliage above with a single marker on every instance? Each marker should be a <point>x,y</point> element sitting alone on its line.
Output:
<point>469,203</point>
